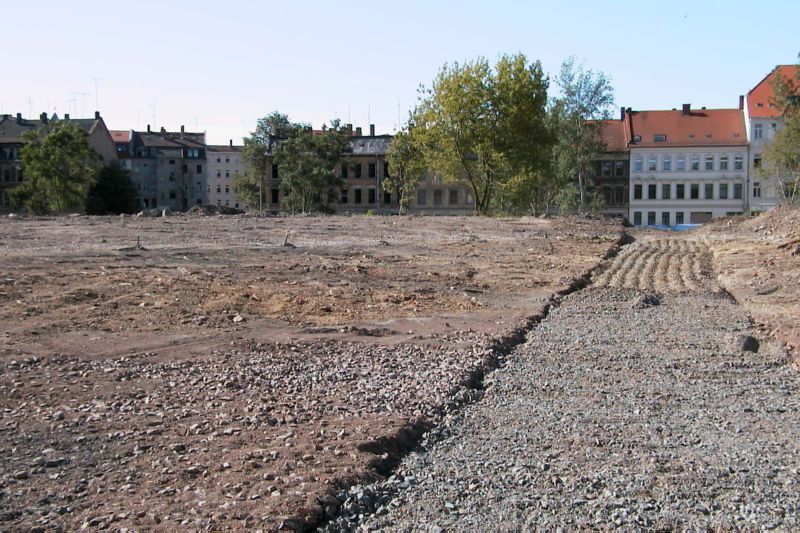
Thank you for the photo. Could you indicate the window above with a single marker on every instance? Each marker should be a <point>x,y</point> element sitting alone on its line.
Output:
<point>452,197</point>
<point>665,218</point>
<point>723,162</point>
<point>694,191</point>
<point>637,138</point>
<point>680,163</point>
<point>227,173</point>
<point>387,197</point>
<point>172,195</point>
<point>358,196</point>
<point>219,160</point>
<point>709,162</point>
<point>651,191</point>
<point>437,197</point>
<point>637,164</point>
<point>227,189</point>
<point>357,170</point>
<point>171,161</point>
<point>637,191</point>
<point>371,170</point>
<point>637,218</point>
<point>371,195</point>
<point>619,168</point>
<point>737,191</point>
<point>756,160</point>
<point>756,189</point>
<point>422,197</point>
<point>723,191</point>
<point>651,218</point>
<point>219,189</point>
<point>275,171</point>
<point>605,169</point>
<point>343,197</point>
<point>651,163</point>
<point>660,138</point>
<point>219,173</point>
<point>679,217</point>
<point>709,192</point>
<point>227,202</point>
<point>619,195</point>
<point>758,131</point>
<point>666,191</point>
<point>386,170</point>
<point>199,169</point>
<point>227,159</point>
<point>275,193</point>
<point>695,162</point>
<point>666,163</point>
<point>344,173</point>
<point>737,162</point>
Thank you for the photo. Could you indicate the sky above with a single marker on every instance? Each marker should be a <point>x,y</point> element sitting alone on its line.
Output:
<point>219,66</point>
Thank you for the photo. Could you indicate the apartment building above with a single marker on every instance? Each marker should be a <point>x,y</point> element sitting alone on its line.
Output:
<point>224,165</point>
<point>168,168</point>
<point>12,130</point>
<point>763,120</point>
<point>363,173</point>
<point>611,171</point>
<point>687,166</point>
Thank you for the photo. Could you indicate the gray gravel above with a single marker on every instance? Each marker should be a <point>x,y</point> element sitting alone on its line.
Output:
<point>612,414</point>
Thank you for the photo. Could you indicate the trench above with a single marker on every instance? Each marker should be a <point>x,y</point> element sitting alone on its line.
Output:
<point>390,450</point>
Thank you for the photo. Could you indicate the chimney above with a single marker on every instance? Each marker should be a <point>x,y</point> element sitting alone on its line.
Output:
<point>148,128</point>
<point>182,129</point>
<point>741,102</point>
<point>231,142</point>
<point>349,129</point>
<point>358,131</point>
<point>97,115</point>
<point>19,118</point>
<point>372,130</point>
<point>622,113</point>
<point>66,116</point>
<point>686,109</point>
<point>163,129</point>
<point>43,118</point>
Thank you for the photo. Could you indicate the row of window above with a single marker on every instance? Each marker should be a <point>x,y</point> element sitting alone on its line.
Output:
<point>695,163</point>
<point>219,189</point>
<point>438,197</point>
<point>12,174</point>
<point>227,172</point>
<point>758,130</point>
<point>228,160</point>
<point>608,169</point>
<point>723,191</point>
<point>667,218</point>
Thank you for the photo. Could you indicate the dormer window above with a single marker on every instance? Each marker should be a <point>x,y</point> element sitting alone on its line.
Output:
<point>637,138</point>
<point>660,138</point>
<point>759,104</point>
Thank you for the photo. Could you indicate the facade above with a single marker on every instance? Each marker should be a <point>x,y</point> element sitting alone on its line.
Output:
<point>12,130</point>
<point>612,169</point>
<point>436,196</point>
<point>363,174</point>
<point>763,120</point>
<point>168,168</point>
<point>224,165</point>
<point>687,166</point>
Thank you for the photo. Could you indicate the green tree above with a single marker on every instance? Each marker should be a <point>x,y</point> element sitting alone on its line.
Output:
<point>484,126</point>
<point>406,167</point>
<point>258,154</point>
<point>586,98</point>
<point>59,169</point>
<point>307,163</point>
<point>781,159</point>
<point>112,193</point>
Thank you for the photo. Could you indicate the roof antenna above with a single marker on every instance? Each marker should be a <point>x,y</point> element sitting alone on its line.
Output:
<point>96,94</point>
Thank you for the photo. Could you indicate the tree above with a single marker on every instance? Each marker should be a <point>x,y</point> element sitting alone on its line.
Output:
<point>112,193</point>
<point>307,163</point>
<point>586,98</point>
<point>258,154</point>
<point>484,126</point>
<point>59,168</point>
<point>406,167</point>
<point>781,159</point>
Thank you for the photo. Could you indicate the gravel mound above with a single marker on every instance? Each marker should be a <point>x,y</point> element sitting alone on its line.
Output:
<point>613,415</point>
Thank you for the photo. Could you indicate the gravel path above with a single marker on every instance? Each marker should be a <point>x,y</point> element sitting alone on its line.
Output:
<point>624,408</point>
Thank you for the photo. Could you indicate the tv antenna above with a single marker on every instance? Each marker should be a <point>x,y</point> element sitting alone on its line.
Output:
<point>96,94</point>
<point>154,113</point>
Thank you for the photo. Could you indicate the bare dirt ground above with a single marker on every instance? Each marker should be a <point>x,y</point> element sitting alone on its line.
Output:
<point>758,262</point>
<point>197,373</point>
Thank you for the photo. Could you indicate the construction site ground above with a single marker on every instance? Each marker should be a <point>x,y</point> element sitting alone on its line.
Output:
<point>238,372</point>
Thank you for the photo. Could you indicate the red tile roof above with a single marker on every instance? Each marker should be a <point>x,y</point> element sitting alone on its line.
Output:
<point>760,100</point>
<point>120,136</point>
<point>702,127</point>
<point>615,134</point>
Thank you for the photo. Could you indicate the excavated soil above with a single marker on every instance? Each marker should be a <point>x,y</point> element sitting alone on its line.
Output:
<point>230,373</point>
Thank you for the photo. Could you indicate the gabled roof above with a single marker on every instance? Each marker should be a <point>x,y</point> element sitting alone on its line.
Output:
<point>121,136</point>
<point>615,134</point>
<point>12,129</point>
<point>224,148</point>
<point>703,127</point>
<point>170,139</point>
<point>761,99</point>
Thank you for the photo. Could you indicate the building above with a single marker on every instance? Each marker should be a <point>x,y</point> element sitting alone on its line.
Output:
<point>612,169</point>
<point>763,120</point>
<point>687,166</point>
<point>12,130</point>
<point>363,173</point>
<point>224,165</point>
<point>168,168</point>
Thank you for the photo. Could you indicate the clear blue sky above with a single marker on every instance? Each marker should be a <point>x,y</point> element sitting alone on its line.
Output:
<point>220,65</point>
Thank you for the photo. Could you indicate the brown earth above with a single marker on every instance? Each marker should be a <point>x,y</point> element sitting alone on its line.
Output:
<point>235,372</point>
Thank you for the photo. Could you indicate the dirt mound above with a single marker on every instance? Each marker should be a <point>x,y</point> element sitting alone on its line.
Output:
<point>210,210</point>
